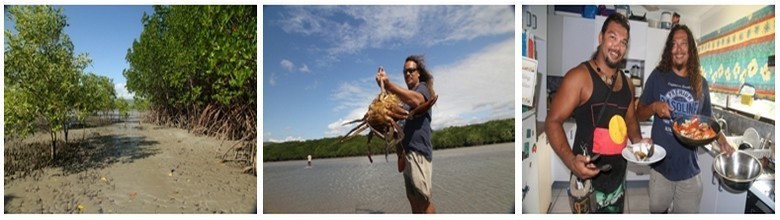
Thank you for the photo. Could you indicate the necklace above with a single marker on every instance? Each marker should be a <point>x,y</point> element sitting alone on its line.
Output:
<point>604,77</point>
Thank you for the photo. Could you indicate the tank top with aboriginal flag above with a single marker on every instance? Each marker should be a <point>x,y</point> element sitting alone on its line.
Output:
<point>607,136</point>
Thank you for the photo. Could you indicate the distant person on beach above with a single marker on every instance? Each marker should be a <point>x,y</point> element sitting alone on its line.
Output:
<point>309,159</point>
<point>415,158</point>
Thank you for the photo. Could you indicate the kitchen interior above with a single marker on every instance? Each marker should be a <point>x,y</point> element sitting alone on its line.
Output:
<point>736,46</point>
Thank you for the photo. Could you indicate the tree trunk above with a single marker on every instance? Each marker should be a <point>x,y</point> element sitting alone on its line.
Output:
<point>53,144</point>
<point>65,129</point>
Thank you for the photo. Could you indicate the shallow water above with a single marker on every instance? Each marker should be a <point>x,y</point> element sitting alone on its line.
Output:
<point>465,180</point>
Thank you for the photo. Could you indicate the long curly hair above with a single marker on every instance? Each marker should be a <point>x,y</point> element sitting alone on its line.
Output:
<point>694,73</point>
<point>425,75</point>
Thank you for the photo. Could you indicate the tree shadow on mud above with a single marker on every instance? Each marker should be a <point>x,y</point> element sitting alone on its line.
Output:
<point>80,155</point>
<point>7,203</point>
<point>101,151</point>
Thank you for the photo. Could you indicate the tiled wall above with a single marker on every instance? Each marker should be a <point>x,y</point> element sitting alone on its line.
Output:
<point>738,53</point>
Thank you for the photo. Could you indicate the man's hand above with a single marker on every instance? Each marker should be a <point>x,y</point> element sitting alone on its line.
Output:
<point>725,147</point>
<point>646,140</point>
<point>583,168</point>
<point>381,76</point>
<point>662,109</point>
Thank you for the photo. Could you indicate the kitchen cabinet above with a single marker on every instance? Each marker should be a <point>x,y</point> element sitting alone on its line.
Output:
<point>714,198</point>
<point>535,20</point>
<point>656,38</point>
<point>561,173</point>
<point>636,41</point>
<point>570,42</point>
<point>535,25</point>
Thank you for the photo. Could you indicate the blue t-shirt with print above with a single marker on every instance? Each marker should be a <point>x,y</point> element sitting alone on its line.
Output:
<point>680,162</point>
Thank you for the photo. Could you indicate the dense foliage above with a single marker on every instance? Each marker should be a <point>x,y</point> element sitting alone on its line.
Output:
<point>44,79</point>
<point>195,67</point>
<point>498,131</point>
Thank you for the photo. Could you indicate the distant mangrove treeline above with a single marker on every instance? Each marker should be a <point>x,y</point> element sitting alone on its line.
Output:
<point>491,132</point>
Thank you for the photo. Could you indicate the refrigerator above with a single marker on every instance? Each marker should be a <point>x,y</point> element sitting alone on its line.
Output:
<point>536,182</point>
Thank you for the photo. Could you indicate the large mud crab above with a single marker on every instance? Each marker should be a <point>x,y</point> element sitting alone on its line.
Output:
<point>382,119</point>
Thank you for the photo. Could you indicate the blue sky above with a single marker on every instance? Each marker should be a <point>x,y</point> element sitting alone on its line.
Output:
<point>105,32</point>
<point>319,63</point>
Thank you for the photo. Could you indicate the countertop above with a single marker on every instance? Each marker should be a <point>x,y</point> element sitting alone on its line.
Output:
<point>763,187</point>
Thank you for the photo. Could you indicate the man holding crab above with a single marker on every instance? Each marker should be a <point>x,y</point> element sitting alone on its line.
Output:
<point>415,153</point>
<point>676,88</point>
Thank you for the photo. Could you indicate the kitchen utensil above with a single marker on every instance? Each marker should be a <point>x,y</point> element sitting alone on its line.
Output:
<point>751,136</point>
<point>651,151</point>
<point>737,170</point>
<point>681,118</point>
<point>605,168</point>
<point>595,157</point>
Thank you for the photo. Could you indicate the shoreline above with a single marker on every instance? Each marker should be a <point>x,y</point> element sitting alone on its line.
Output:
<point>133,169</point>
<point>390,153</point>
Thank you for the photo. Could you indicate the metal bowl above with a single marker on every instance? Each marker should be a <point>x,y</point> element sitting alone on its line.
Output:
<point>696,142</point>
<point>737,171</point>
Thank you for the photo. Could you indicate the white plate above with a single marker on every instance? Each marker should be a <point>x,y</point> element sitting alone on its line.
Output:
<point>658,154</point>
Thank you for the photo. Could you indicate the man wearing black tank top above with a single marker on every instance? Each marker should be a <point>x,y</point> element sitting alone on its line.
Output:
<point>605,119</point>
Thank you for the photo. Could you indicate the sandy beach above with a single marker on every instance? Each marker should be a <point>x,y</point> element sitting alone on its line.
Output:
<point>126,168</point>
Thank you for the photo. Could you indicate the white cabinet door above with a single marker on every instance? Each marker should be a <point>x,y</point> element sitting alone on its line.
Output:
<point>535,20</point>
<point>715,198</point>
<point>656,38</point>
<point>570,42</point>
<point>710,192</point>
<point>560,172</point>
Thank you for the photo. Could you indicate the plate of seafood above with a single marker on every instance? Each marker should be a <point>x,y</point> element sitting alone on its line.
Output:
<point>643,153</point>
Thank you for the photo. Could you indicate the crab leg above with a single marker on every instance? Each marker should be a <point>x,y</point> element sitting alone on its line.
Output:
<point>387,142</point>
<point>354,132</point>
<point>400,133</point>
<point>370,135</point>
<point>357,120</point>
<point>398,113</point>
<point>377,132</point>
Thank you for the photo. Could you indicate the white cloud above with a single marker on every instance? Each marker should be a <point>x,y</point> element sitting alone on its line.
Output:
<point>121,91</point>
<point>475,89</point>
<point>288,65</point>
<point>304,69</point>
<point>272,80</point>
<point>391,26</point>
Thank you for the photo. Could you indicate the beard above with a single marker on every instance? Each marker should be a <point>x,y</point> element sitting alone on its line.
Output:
<point>678,66</point>
<point>610,63</point>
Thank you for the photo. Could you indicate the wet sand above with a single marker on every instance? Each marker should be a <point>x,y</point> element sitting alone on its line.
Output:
<point>129,169</point>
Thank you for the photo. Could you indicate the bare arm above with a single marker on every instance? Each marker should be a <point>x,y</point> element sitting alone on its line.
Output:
<point>568,97</point>
<point>632,123</point>
<point>410,97</point>
<point>725,147</point>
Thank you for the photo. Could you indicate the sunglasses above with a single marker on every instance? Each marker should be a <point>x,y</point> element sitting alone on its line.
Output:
<point>410,70</point>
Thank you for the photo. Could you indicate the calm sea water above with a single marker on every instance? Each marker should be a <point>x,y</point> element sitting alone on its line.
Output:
<point>465,180</point>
